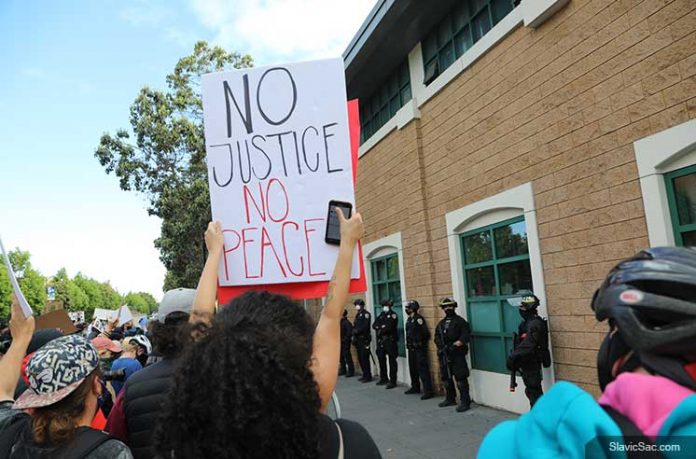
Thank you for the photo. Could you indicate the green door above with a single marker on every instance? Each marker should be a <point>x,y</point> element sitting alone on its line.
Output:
<point>386,284</point>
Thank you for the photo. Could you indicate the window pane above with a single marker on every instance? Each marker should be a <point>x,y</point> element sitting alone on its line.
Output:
<point>485,316</point>
<point>393,268</point>
<point>461,17</point>
<point>444,33</point>
<point>477,247</point>
<point>395,292</point>
<point>476,5</point>
<point>488,354</point>
<point>689,238</point>
<point>404,77</point>
<point>382,293</point>
<point>462,41</point>
<point>480,281</point>
<point>446,56</point>
<point>394,105</point>
<point>429,47</point>
<point>384,114</point>
<point>481,24</point>
<point>393,85</point>
<point>511,317</point>
<point>685,193</point>
<point>381,270</point>
<point>511,240</point>
<point>514,277</point>
<point>405,94</point>
<point>501,8</point>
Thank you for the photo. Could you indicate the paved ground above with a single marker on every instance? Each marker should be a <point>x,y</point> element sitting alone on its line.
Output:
<point>406,427</point>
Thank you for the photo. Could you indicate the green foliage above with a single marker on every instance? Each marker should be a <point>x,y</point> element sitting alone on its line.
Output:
<point>141,301</point>
<point>5,291</point>
<point>32,283</point>
<point>165,159</point>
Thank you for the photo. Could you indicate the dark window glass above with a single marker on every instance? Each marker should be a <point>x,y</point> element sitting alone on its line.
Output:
<point>689,238</point>
<point>447,55</point>
<point>685,192</point>
<point>511,240</point>
<point>501,8</point>
<point>390,96</point>
<point>514,277</point>
<point>477,247</point>
<point>462,41</point>
<point>481,24</point>
<point>480,281</point>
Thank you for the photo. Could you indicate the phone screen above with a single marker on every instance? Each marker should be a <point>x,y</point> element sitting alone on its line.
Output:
<point>333,225</point>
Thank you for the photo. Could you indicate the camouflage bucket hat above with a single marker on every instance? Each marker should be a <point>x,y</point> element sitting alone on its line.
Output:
<point>56,370</point>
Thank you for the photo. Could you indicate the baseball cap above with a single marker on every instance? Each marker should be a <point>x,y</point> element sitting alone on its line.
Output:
<point>102,342</point>
<point>56,370</point>
<point>176,300</point>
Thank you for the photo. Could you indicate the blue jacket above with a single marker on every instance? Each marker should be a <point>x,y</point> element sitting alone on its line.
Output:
<point>567,418</point>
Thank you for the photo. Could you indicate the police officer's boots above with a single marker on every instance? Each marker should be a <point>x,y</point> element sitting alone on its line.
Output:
<point>450,396</point>
<point>464,398</point>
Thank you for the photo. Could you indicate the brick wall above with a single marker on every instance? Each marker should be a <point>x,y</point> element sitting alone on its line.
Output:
<point>559,106</point>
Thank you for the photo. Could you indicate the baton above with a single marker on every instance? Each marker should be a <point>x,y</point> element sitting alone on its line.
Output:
<point>371,356</point>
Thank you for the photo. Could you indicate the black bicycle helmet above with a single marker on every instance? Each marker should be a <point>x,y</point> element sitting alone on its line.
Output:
<point>412,305</point>
<point>652,299</point>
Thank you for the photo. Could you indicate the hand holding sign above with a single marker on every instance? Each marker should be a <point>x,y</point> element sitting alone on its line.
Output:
<point>21,326</point>
<point>214,239</point>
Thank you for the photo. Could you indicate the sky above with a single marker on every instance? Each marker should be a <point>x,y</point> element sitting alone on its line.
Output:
<point>69,71</point>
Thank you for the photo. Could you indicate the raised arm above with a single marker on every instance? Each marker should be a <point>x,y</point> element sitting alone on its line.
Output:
<point>327,336</point>
<point>206,293</point>
<point>21,328</point>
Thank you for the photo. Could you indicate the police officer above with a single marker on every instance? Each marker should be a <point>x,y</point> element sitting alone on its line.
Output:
<point>417,337</point>
<point>530,346</point>
<point>386,327</point>
<point>452,336</point>
<point>361,339</point>
<point>346,361</point>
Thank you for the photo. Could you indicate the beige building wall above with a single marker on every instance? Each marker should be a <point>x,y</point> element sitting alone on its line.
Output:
<point>559,106</point>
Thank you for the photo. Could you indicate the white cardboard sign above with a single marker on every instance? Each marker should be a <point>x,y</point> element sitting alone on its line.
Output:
<point>278,150</point>
<point>15,285</point>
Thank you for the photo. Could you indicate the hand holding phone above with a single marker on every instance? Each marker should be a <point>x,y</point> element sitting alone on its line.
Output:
<point>333,225</point>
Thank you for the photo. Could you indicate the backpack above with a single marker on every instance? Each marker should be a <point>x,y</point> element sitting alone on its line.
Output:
<point>545,354</point>
<point>19,431</point>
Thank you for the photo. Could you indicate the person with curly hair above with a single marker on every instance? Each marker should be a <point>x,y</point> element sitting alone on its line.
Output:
<point>257,380</point>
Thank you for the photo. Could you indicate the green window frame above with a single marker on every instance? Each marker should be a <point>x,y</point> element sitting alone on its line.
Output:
<point>382,105</point>
<point>496,265</point>
<point>682,207</point>
<point>386,284</point>
<point>458,32</point>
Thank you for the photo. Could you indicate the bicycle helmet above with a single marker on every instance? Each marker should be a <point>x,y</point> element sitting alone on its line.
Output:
<point>142,340</point>
<point>651,299</point>
<point>411,305</point>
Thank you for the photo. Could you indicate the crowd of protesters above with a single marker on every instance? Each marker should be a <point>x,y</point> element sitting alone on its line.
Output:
<point>198,381</point>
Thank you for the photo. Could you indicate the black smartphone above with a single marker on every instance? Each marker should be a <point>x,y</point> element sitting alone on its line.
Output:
<point>333,225</point>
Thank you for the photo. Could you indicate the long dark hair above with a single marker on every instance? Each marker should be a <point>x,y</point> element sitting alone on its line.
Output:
<point>245,389</point>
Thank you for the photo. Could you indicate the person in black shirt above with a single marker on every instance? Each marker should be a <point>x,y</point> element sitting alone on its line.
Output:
<point>346,362</point>
<point>361,339</point>
<point>452,336</point>
<point>417,337</point>
<point>530,346</point>
<point>386,327</point>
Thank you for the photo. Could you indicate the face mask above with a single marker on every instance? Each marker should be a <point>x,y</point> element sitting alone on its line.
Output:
<point>527,313</point>
<point>449,312</point>
<point>357,307</point>
<point>385,308</point>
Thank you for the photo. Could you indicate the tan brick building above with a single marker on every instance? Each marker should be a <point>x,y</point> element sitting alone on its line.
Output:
<point>521,145</point>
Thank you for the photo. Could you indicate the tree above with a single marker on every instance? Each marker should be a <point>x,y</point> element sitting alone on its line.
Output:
<point>165,159</point>
<point>5,292</point>
<point>111,298</point>
<point>141,301</point>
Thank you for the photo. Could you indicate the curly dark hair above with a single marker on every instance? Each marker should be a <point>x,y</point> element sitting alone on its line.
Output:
<point>169,338</point>
<point>245,389</point>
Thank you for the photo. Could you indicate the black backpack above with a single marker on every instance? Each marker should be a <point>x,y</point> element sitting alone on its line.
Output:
<point>544,353</point>
<point>632,435</point>
<point>19,432</point>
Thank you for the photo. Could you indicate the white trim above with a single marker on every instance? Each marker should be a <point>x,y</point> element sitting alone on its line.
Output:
<point>656,155</point>
<point>536,12</point>
<point>375,249</point>
<point>492,388</point>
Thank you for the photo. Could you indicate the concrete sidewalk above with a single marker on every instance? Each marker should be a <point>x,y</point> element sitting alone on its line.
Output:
<point>406,427</point>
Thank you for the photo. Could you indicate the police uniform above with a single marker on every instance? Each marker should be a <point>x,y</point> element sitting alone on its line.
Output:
<point>346,363</point>
<point>361,340</point>
<point>453,365</point>
<point>417,337</point>
<point>527,355</point>
<point>386,330</point>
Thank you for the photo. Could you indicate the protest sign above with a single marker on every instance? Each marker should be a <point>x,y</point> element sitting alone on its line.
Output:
<point>58,319</point>
<point>124,315</point>
<point>26,309</point>
<point>278,150</point>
